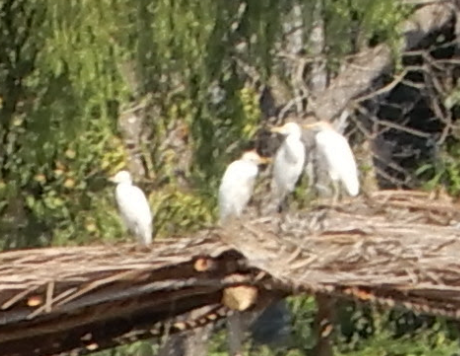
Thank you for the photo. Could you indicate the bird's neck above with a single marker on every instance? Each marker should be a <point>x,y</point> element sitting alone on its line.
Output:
<point>294,137</point>
<point>292,149</point>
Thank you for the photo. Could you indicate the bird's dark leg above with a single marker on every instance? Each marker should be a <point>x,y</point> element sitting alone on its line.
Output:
<point>235,334</point>
<point>283,205</point>
<point>336,192</point>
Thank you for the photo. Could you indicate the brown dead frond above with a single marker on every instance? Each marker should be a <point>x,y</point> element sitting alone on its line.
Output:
<point>395,248</point>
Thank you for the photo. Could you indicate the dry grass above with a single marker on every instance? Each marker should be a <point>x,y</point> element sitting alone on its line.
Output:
<point>393,247</point>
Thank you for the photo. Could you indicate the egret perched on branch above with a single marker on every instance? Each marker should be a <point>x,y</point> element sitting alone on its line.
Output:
<point>133,207</point>
<point>289,160</point>
<point>237,184</point>
<point>335,150</point>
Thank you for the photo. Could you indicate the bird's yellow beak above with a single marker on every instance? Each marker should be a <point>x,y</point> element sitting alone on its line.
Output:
<point>265,160</point>
<point>276,129</point>
<point>112,179</point>
<point>310,126</point>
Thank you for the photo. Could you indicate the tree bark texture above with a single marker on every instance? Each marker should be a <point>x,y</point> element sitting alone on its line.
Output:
<point>358,76</point>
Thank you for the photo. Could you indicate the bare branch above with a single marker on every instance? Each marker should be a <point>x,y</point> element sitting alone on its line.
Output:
<point>358,76</point>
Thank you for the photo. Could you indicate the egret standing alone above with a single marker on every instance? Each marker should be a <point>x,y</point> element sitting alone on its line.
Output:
<point>289,160</point>
<point>237,184</point>
<point>133,207</point>
<point>335,150</point>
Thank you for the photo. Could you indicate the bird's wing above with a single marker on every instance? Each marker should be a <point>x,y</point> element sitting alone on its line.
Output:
<point>133,204</point>
<point>288,167</point>
<point>236,187</point>
<point>294,151</point>
<point>340,159</point>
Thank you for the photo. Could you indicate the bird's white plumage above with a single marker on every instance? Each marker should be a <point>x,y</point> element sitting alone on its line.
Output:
<point>133,207</point>
<point>336,151</point>
<point>289,160</point>
<point>237,185</point>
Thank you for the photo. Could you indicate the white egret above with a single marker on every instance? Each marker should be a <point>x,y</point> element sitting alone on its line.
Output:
<point>133,207</point>
<point>289,160</point>
<point>335,150</point>
<point>237,184</point>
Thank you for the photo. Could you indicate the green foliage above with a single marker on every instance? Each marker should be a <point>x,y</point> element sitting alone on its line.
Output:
<point>445,172</point>
<point>140,348</point>
<point>397,334</point>
<point>250,112</point>
<point>61,140</point>
<point>352,25</point>
<point>180,212</point>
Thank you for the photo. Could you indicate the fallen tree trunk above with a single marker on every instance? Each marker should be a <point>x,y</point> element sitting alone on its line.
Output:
<point>394,248</point>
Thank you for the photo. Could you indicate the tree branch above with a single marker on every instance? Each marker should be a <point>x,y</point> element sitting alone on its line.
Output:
<point>358,76</point>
